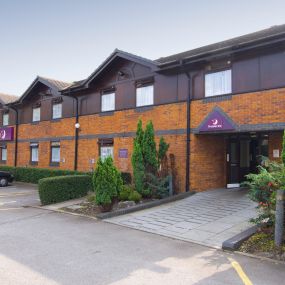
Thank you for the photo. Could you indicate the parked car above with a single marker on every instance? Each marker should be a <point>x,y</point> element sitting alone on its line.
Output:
<point>5,178</point>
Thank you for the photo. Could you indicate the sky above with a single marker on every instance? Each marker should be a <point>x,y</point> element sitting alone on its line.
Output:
<point>68,39</point>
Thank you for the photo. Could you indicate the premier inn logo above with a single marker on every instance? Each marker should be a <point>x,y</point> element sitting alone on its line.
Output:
<point>215,124</point>
<point>217,120</point>
<point>3,134</point>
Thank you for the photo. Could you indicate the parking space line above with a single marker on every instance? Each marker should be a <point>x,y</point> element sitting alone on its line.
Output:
<point>240,272</point>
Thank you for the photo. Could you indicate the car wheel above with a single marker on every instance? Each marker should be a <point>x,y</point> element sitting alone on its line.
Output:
<point>3,182</point>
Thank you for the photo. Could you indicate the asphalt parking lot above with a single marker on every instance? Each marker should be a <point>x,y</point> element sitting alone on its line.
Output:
<point>18,195</point>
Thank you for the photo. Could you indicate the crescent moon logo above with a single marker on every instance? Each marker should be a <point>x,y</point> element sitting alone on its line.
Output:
<point>3,134</point>
<point>215,122</point>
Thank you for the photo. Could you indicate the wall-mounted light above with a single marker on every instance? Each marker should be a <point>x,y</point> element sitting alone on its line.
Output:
<point>229,62</point>
<point>77,126</point>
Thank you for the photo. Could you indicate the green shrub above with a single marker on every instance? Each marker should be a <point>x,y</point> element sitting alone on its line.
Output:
<point>135,196</point>
<point>63,188</point>
<point>107,182</point>
<point>125,192</point>
<point>33,175</point>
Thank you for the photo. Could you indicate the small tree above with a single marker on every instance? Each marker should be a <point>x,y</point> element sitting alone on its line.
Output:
<point>138,167</point>
<point>149,150</point>
<point>107,183</point>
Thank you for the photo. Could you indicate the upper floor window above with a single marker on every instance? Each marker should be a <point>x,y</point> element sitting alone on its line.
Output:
<point>218,83</point>
<point>6,119</point>
<point>57,110</point>
<point>144,96</point>
<point>108,102</point>
<point>36,114</point>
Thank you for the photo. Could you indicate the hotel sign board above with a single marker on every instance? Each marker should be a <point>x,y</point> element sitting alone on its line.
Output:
<point>123,153</point>
<point>6,134</point>
<point>216,121</point>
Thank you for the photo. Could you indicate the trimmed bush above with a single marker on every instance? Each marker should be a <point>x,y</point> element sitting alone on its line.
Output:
<point>135,196</point>
<point>125,192</point>
<point>33,175</point>
<point>107,182</point>
<point>63,188</point>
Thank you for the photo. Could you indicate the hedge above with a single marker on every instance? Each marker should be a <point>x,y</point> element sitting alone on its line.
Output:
<point>63,188</point>
<point>33,175</point>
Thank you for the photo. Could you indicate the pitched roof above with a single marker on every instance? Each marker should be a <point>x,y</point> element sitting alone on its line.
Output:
<point>6,98</point>
<point>116,53</point>
<point>227,44</point>
<point>54,84</point>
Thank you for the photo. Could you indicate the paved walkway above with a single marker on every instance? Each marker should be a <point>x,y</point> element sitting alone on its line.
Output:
<point>207,218</point>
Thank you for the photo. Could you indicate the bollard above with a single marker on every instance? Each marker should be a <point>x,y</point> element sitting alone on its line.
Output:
<point>279,217</point>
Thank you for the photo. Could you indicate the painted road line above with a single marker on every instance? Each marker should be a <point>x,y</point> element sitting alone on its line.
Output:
<point>240,272</point>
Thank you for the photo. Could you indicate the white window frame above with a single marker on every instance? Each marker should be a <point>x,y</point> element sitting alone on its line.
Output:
<point>33,147</point>
<point>5,119</point>
<point>145,95</point>
<point>106,151</point>
<point>107,102</point>
<point>55,145</point>
<point>36,114</point>
<point>218,83</point>
<point>4,151</point>
<point>56,113</point>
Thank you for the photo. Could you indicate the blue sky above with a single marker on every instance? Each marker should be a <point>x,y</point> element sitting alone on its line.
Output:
<point>68,39</point>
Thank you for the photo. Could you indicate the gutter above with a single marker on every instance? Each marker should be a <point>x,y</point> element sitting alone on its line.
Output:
<point>76,137</point>
<point>189,97</point>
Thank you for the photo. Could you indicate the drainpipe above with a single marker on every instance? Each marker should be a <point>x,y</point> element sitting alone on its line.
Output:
<point>76,133</point>
<point>187,187</point>
<point>16,134</point>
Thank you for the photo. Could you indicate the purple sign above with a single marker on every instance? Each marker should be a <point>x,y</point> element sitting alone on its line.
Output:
<point>123,153</point>
<point>6,134</point>
<point>216,121</point>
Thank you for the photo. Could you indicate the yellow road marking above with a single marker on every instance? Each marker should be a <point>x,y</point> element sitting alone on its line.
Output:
<point>240,272</point>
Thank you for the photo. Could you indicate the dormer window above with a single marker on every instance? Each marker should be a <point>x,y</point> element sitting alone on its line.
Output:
<point>36,114</point>
<point>5,119</point>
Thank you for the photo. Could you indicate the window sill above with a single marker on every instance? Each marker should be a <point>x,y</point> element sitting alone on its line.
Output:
<point>33,162</point>
<point>217,98</point>
<point>56,164</point>
<point>144,108</point>
<point>35,123</point>
<point>3,161</point>
<point>106,113</point>
<point>56,120</point>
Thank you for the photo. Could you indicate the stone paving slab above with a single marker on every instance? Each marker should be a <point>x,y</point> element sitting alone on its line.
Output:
<point>207,218</point>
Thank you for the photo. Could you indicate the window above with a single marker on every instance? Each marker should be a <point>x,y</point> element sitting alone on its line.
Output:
<point>218,83</point>
<point>6,119</point>
<point>57,111</point>
<point>34,152</point>
<point>108,102</point>
<point>3,153</point>
<point>106,148</point>
<point>144,95</point>
<point>55,152</point>
<point>36,114</point>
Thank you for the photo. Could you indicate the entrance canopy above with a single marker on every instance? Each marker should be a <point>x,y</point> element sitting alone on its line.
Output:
<point>217,121</point>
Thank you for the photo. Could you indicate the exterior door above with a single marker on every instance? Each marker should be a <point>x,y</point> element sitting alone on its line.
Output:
<point>233,161</point>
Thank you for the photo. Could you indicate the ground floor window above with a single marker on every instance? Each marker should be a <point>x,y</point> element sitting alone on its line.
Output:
<point>106,148</point>
<point>34,148</point>
<point>3,153</point>
<point>55,153</point>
